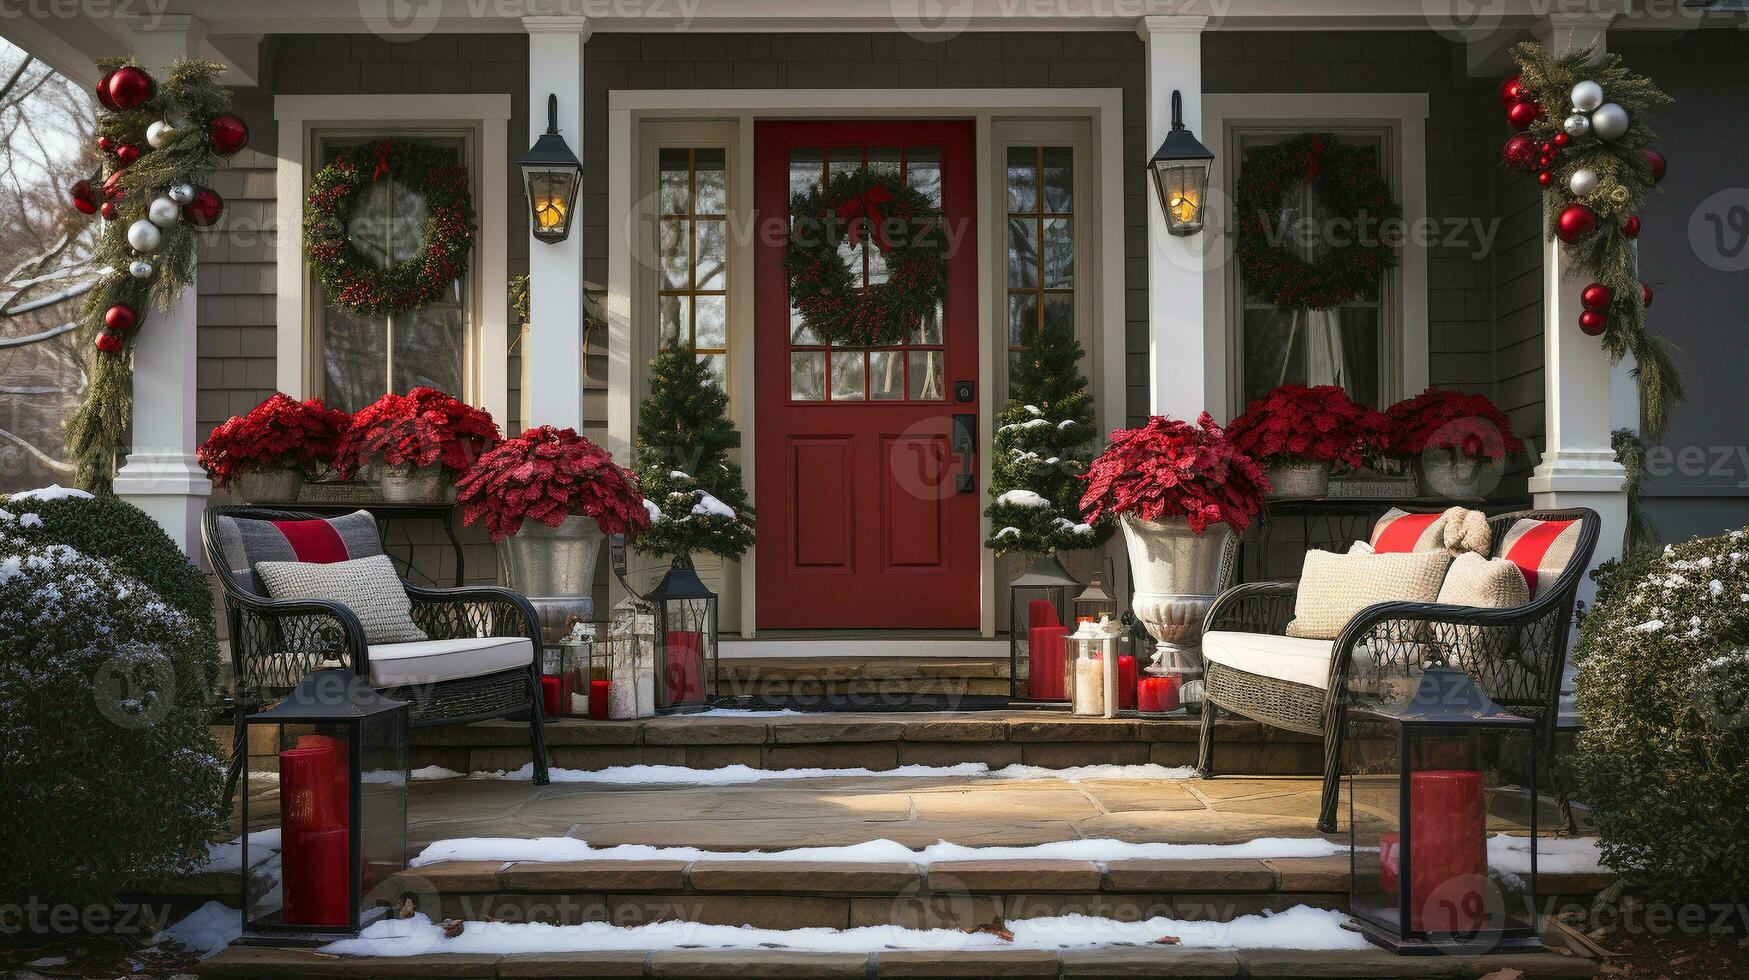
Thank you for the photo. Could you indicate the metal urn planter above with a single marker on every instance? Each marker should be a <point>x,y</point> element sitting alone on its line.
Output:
<point>270,486</point>
<point>1298,480</point>
<point>1178,574</point>
<point>409,484</point>
<point>555,568</point>
<point>1449,473</point>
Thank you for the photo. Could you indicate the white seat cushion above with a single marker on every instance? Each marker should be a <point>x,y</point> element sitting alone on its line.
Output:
<point>432,661</point>
<point>1286,658</point>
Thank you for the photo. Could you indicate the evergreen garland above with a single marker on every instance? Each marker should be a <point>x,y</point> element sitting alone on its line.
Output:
<point>1043,443</point>
<point>189,98</point>
<point>692,489</point>
<point>1625,172</point>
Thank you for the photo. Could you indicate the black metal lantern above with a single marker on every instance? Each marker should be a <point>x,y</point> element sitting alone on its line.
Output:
<point>1181,174</point>
<point>1443,820</point>
<point>686,639</point>
<point>1039,624</point>
<point>551,174</point>
<point>342,809</point>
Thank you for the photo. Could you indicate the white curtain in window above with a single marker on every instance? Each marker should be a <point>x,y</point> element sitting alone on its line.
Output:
<point>1326,357</point>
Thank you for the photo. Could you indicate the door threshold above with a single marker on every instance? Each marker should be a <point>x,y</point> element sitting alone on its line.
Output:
<point>863,643</point>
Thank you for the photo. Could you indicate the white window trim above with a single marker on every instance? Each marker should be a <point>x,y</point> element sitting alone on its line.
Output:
<point>299,118</point>
<point>1406,114</point>
<point>629,109</point>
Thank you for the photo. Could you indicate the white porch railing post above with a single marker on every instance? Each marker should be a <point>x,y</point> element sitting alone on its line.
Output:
<point>1180,380</point>
<point>1578,467</point>
<point>553,350</point>
<point>160,475</point>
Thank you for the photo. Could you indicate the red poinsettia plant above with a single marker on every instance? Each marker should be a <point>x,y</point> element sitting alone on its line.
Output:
<point>547,475</point>
<point>1170,468</point>
<point>281,433</point>
<point>424,427</point>
<point>1297,424</point>
<point>1440,418</point>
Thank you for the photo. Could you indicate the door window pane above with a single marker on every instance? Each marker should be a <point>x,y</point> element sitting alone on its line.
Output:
<point>886,374</point>
<point>807,375</point>
<point>692,245</point>
<point>848,379</point>
<point>1041,241</point>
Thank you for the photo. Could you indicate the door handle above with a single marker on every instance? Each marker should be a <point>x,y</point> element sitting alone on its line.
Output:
<point>964,441</point>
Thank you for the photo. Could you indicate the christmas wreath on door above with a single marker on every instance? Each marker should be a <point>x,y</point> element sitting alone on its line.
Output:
<point>349,279</point>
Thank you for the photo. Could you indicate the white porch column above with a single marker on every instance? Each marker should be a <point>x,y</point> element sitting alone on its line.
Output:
<point>554,348</point>
<point>1180,382</point>
<point>160,475</point>
<point>1578,467</point>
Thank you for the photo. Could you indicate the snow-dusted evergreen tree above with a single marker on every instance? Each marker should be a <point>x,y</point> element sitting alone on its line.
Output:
<point>692,488</point>
<point>1044,441</point>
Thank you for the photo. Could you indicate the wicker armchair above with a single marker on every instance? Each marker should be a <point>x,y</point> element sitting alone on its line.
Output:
<point>275,642</point>
<point>1517,654</point>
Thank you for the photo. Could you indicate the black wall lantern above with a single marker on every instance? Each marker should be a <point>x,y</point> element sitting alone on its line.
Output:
<point>1181,174</point>
<point>550,175</point>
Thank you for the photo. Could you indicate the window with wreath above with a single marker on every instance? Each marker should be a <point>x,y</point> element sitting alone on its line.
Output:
<point>1285,343</point>
<point>365,356</point>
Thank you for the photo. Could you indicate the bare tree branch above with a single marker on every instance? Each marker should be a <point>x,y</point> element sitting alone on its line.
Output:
<point>37,338</point>
<point>60,466</point>
<point>6,90</point>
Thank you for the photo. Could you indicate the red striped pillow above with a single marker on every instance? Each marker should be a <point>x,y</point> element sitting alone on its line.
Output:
<point>1400,531</point>
<point>1541,549</point>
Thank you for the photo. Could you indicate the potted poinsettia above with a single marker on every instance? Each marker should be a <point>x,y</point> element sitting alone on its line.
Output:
<point>1457,442</point>
<point>548,498</point>
<point>266,453</point>
<point>410,443</point>
<point>1182,494</point>
<point>1298,434</point>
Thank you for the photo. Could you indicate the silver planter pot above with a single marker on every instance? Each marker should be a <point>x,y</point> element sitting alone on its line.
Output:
<point>554,567</point>
<point>269,486</point>
<point>1447,473</point>
<point>1299,480</point>
<point>409,484</point>
<point>1178,574</point>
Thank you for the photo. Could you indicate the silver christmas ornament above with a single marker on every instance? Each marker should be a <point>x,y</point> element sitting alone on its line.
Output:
<point>1610,121</point>
<point>1576,125</point>
<point>1587,95</point>
<point>1583,181</point>
<point>163,212</point>
<point>159,134</point>
<point>144,236</point>
<point>140,269</point>
<point>182,193</point>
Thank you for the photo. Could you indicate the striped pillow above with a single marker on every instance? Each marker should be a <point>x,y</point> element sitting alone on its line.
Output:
<point>1400,531</point>
<point>248,541</point>
<point>1541,550</point>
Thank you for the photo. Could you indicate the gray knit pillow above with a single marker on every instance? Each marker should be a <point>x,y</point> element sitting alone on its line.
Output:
<point>367,586</point>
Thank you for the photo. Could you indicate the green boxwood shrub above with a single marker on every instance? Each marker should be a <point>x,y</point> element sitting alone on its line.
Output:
<point>1663,687</point>
<point>112,777</point>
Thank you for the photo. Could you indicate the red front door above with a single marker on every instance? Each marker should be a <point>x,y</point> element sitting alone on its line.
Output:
<point>863,519</point>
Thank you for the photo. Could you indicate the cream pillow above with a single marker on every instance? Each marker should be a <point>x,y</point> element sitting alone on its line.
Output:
<point>1333,588</point>
<point>1492,583</point>
<point>367,586</point>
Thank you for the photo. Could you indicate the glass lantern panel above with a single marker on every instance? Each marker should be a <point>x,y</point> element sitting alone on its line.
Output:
<point>1374,808</point>
<point>1516,812</point>
<point>689,654</point>
<point>1040,667</point>
<point>315,786</point>
<point>382,807</point>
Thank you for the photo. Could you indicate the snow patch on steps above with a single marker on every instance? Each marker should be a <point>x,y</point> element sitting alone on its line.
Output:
<point>737,775</point>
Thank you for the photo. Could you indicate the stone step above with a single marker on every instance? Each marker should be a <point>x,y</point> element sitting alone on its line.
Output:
<point>778,964</point>
<point>872,740</point>
<point>955,895</point>
<point>785,678</point>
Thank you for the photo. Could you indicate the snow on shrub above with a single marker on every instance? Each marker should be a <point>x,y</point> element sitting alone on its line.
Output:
<point>112,776</point>
<point>1664,758</point>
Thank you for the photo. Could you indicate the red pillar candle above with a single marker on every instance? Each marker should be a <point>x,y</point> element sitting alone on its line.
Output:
<point>316,882</point>
<point>1126,683</point>
<point>306,790</point>
<point>552,692</point>
<point>1046,648</point>
<point>338,768</point>
<point>598,691</point>
<point>685,678</point>
<point>1042,612</point>
<point>1156,695</point>
<point>1448,861</point>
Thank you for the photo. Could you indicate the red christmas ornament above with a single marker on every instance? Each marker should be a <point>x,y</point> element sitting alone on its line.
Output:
<point>84,196</point>
<point>106,144</point>
<point>227,133</point>
<point>120,317</point>
<point>130,87</point>
<point>1522,114</point>
<point>108,211</point>
<point>1631,227</point>
<point>203,210</point>
<point>1656,161</point>
<point>1645,295</point>
<point>126,154</point>
<point>1592,322</point>
<point>1561,139</point>
<point>1575,223</point>
<point>103,92</point>
<point>1519,151</point>
<point>1596,296</point>
<point>1545,178</point>
<point>112,188</point>
<point>109,343</point>
<point>1511,90</point>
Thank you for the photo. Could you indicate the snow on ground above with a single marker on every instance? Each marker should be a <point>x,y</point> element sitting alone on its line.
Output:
<point>1554,855</point>
<point>1300,927</point>
<point>745,713</point>
<point>868,852</point>
<point>53,491</point>
<point>206,930</point>
<point>738,775</point>
<point>229,856</point>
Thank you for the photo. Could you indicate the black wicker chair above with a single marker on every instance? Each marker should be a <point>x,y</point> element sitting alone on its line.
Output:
<point>1516,654</point>
<point>275,642</point>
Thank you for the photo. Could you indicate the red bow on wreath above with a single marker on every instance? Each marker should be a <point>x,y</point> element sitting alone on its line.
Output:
<point>382,166</point>
<point>866,206</point>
